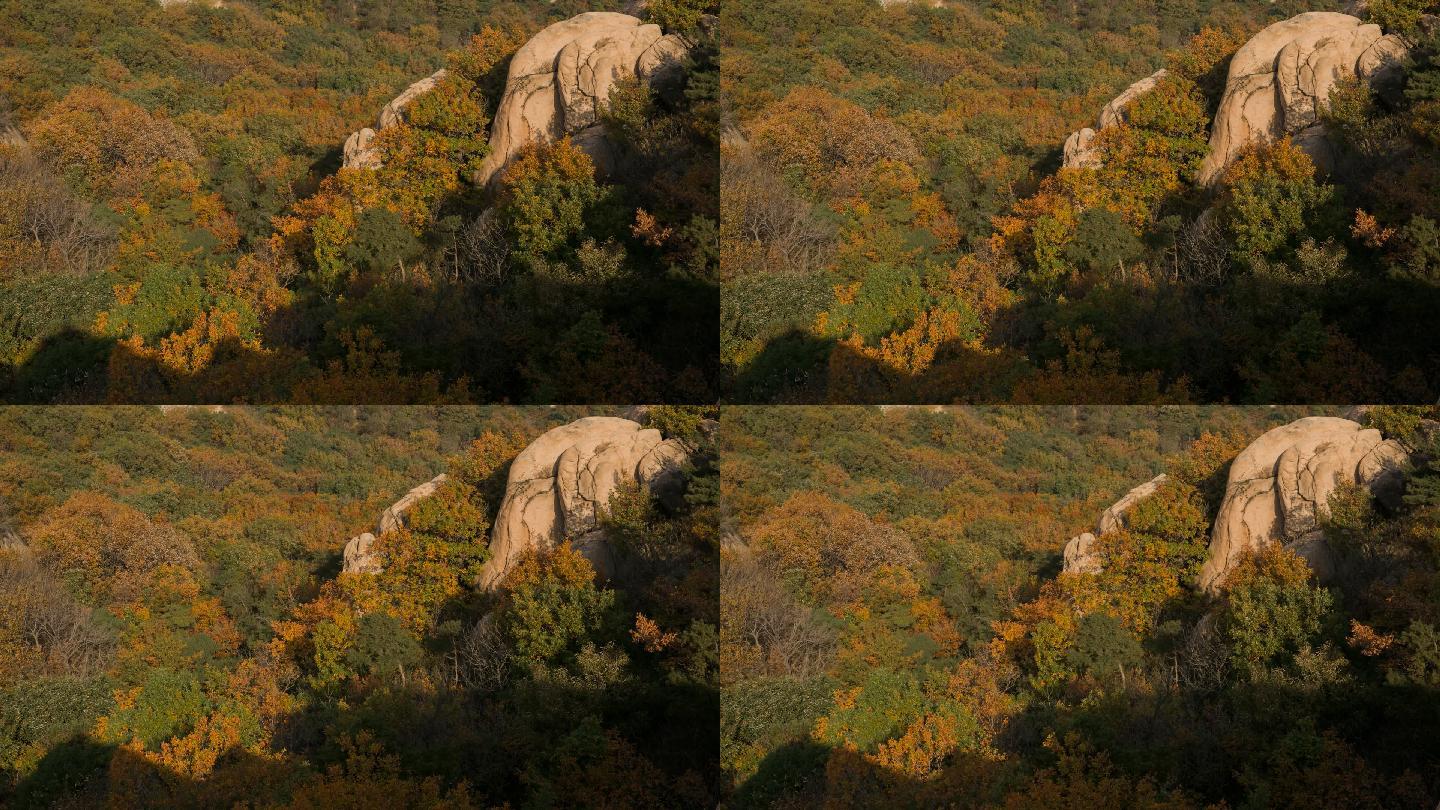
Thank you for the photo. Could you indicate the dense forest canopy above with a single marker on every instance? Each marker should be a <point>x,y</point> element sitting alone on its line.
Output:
<point>176,629</point>
<point>176,225</point>
<point>898,225</point>
<point>897,631</point>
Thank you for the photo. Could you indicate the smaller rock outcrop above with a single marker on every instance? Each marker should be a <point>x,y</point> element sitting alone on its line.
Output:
<point>1117,517</point>
<point>359,556</point>
<point>395,517</point>
<point>1081,556</point>
<point>360,151</point>
<point>561,484</point>
<point>1081,151</point>
<point>1278,490</point>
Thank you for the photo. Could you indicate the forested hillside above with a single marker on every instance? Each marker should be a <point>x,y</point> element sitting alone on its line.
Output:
<point>178,627</point>
<point>176,225</point>
<point>912,212</point>
<point>897,629</point>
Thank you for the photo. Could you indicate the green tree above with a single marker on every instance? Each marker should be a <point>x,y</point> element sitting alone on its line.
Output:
<point>552,604</point>
<point>1272,613</point>
<point>1104,648</point>
<point>1103,242</point>
<point>382,241</point>
<point>382,647</point>
<point>1271,198</point>
<point>549,193</point>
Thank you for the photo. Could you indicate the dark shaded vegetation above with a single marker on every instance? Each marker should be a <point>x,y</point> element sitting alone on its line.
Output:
<point>896,630</point>
<point>898,227</point>
<point>177,227</point>
<point>176,630</point>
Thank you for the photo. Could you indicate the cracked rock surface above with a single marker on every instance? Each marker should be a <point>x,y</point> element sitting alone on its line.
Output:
<point>561,484</point>
<point>560,81</point>
<point>1280,81</point>
<point>1279,487</point>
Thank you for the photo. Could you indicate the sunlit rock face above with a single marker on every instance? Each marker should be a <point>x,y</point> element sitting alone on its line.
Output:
<point>558,489</point>
<point>560,81</point>
<point>560,486</point>
<point>1280,81</point>
<point>1081,151</point>
<point>359,556</point>
<point>1279,487</point>
<point>558,85</point>
<point>1080,554</point>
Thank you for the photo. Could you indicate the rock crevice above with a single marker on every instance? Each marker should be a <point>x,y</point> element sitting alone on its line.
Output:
<point>1278,490</point>
<point>560,486</point>
<point>1280,81</point>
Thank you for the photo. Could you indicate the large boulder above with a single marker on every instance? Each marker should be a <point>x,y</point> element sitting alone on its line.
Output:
<point>1279,487</point>
<point>1280,81</point>
<point>560,81</point>
<point>360,151</point>
<point>560,486</point>
<point>558,85</point>
<point>359,556</point>
<point>1080,554</point>
<point>1080,149</point>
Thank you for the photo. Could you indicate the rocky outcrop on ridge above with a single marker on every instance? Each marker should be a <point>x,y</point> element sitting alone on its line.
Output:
<point>1280,81</point>
<point>359,555</point>
<point>1081,151</point>
<point>561,484</point>
<point>560,81</point>
<point>1278,85</point>
<point>1277,491</point>
<point>360,151</point>
<point>1279,487</point>
<point>1080,554</point>
<point>557,489</point>
<point>558,85</point>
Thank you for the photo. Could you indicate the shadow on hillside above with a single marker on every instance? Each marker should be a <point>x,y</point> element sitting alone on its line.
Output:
<point>1207,747</point>
<point>561,743</point>
<point>542,340</point>
<point>75,367</point>
<point>1264,340</point>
